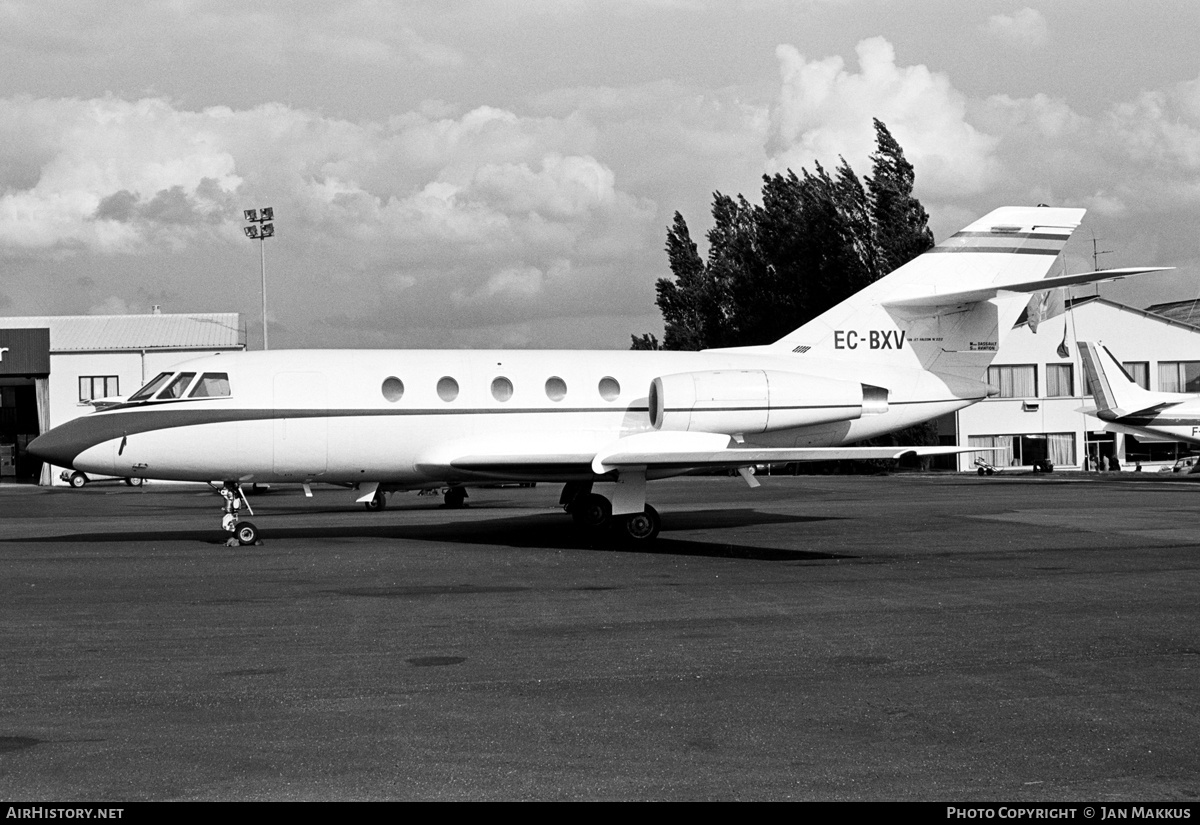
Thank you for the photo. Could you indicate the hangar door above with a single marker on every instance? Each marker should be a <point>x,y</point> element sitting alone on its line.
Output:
<point>300,424</point>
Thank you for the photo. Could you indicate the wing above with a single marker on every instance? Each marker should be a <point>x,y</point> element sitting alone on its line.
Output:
<point>661,451</point>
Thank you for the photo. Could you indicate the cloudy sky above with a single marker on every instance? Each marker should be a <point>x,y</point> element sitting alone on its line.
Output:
<point>476,173</point>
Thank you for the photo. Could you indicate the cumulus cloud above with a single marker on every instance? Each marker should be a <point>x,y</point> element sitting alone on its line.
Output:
<point>1025,28</point>
<point>825,111</point>
<point>483,205</point>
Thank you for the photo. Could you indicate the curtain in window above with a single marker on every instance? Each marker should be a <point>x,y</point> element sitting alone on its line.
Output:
<point>1014,381</point>
<point>1002,457</point>
<point>1139,371</point>
<point>1179,376</point>
<point>1061,448</point>
<point>1060,380</point>
<point>41,389</point>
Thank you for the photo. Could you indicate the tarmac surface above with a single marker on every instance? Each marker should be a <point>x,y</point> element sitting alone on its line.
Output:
<point>934,637</point>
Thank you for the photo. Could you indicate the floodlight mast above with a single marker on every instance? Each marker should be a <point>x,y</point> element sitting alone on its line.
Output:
<point>259,230</point>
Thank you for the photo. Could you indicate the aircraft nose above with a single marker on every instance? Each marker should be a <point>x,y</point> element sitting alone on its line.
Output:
<point>60,445</point>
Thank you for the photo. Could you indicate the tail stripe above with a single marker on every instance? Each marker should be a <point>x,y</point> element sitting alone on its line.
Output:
<point>1014,243</point>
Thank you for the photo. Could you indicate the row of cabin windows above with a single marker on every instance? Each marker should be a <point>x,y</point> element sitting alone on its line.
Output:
<point>1021,380</point>
<point>169,385</point>
<point>502,388</point>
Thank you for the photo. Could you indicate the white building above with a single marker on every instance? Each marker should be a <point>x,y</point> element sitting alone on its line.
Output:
<point>51,367</point>
<point>1038,412</point>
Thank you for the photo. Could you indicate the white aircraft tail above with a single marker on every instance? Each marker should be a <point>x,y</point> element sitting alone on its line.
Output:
<point>1117,395</point>
<point>949,309</point>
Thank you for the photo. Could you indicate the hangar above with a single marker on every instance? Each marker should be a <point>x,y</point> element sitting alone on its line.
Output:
<point>53,367</point>
<point>1040,413</point>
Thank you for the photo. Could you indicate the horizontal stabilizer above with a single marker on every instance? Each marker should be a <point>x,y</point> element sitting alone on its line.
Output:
<point>947,300</point>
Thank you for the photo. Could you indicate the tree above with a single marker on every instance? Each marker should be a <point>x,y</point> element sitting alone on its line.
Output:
<point>901,223</point>
<point>815,241</point>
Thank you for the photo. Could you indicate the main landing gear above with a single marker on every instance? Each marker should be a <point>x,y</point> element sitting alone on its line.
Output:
<point>374,497</point>
<point>594,512</point>
<point>242,533</point>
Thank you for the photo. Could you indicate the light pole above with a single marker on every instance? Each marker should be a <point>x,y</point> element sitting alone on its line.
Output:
<point>260,218</point>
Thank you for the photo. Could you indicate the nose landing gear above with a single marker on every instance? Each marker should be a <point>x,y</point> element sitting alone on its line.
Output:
<point>242,533</point>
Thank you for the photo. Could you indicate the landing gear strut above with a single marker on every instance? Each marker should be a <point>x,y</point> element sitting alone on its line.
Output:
<point>242,533</point>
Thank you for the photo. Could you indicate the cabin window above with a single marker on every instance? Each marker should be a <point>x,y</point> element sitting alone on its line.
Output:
<point>502,389</point>
<point>151,388</point>
<point>447,388</point>
<point>211,385</point>
<point>556,388</point>
<point>393,389</point>
<point>609,388</point>
<point>178,387</point>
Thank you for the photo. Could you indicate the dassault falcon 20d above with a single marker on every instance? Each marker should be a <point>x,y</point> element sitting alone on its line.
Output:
<point>909,347</point>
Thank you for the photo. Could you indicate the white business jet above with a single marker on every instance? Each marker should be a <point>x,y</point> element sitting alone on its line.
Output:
<point>911,346</point>
<point>1124,406</point>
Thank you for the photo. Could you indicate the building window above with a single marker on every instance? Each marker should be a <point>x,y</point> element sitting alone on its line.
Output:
<point>1015,380</point>
<point>1026,450</point>
<point>1139,372</point>
<point>1179,376</point>
<point>97,386</point>
<point>1060,380</point>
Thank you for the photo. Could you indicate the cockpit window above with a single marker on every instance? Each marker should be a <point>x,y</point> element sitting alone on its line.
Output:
<point>151,388</point>
<point>211,385</point>
<point>179,386</point>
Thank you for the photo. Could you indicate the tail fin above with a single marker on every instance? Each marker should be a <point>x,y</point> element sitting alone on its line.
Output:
<point>949,309</point>
<point>1116,393</point>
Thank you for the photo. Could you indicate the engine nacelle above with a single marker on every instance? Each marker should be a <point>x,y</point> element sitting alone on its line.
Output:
<point>756,401</point>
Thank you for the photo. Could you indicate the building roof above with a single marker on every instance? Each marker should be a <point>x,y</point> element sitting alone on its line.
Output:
<point>1185,312</point>
<point>87,333</point>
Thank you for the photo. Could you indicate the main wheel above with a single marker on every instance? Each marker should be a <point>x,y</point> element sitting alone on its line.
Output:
<point>134,481</point>
<point>376,502</point>
<point>592,511</point>
<point>245,532</point>
<point>641,527</point>
<point>78,480</point>
<point>455,497</point>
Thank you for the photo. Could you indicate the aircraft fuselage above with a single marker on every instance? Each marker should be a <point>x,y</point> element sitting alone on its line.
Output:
<point>401,417</point>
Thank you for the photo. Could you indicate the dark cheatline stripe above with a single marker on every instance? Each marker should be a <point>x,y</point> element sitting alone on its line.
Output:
<point>63,443</point>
